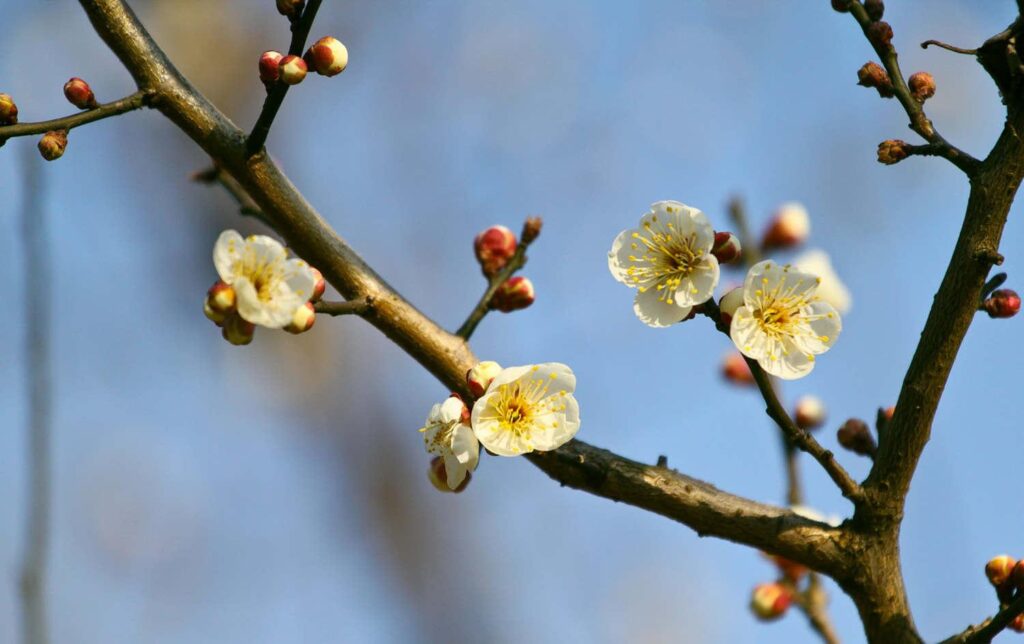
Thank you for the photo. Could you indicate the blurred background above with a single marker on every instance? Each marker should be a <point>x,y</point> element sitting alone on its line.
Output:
<point>278,492</point>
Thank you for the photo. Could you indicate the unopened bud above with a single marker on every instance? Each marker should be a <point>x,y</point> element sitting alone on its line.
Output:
<point>290,8</point>
<point>52,144</point>
<point>8,110</point>
<point>874,9</point>
<point>293,69</point>
<point>1017,576</point>
<point>855,436</point>
<point>789,227</point>
<point>480,376</point>
<point>303,320</point>
<point>736,370</point>
<point>770,601</point>
<point>791,570</point>
<point>880,34</point>
<point>1017,624</point>
<point>493,248</point>
<point>999,568</point>
<point>922,86</point>
<point>809,413</point>
<point>729,303</point>
<point>892,151</point>
<point>438,476</point>
<point>221,297</point>
<point>726,247</point>
<point>465,417</point>
<point>238,331</point>
<point>842,6</point>
<point>270,67</point>
<point>531,229</point>
<point>514,294</point>
<point>327,56</point>
<point>79,94</point>
<point>1003,303</point>
<point>319,285</point>
<point>213,316</point>
<point>872,74</point>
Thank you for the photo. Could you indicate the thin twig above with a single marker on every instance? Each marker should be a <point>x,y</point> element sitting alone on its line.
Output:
<point>277,92</point>
<point>984,632</point>
<point>813,602</point>
<point>38,284</point>
<point>246,205</point>
<point>351,307</point>
<point>948,47</point>
<point>751,251</point>
<point>135,101</point>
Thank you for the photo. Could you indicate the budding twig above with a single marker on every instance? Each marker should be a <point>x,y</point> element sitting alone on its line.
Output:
<point>991,627</point>
<point>246,205</point>
<point>135,101</point>
<point>357,306</point>
<point>948,47</point>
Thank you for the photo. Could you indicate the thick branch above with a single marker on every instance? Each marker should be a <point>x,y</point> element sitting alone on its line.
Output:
<point>358,306</point>
<point>114,108</point>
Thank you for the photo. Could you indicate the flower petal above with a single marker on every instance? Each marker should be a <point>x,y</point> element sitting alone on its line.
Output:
<point>746,334</point>
<point>655,312</point>
<point>455,472</point>
<point>618,257</point>
<point>226,252</point>
<point>299,277</point>
<point>465,447</point>
<point>699,286</point>
<point>790,365</point>
<point>451,410</point>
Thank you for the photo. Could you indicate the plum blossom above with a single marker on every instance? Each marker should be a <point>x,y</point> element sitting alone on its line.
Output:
<point>447,435</point>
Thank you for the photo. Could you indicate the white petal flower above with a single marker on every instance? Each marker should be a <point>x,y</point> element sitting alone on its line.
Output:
<point>807,512</point>
<point>528,408</point>
<point>668,260</point>
<point>447,436</point>
<point>269,286</point>
<point>783,324</point>
<point>831,289</point>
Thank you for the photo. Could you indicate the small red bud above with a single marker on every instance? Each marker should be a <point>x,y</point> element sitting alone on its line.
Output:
<point>237,331</point>
<point>880,34</point>
<point>327,56</point>
<point>531,229</point>
<point>303,320</point>
<point>727,306</point>
<point>736,370</point>
<point>270,67</point>
<point>438,476</point>
<point>809,413</point>
<point>480,376</point>
<point>514,294</point>
<point>221,297</point>
<point>872,74</point>
<point>493,248</point>
<point>1003,303</point>
<point>52,144</point>
<point>892,151</point>
<point>726,247</point>
<point>213,316</point>
<point>922,86</point>
<point>791,570</point>
<point>855,436</point>
<point>874,9</point>
<point>770,601</point>
<point>319,286</point>
<point>290,8</point>
<point>465,417</point>
<point>79,94</point>
<point>8,110</point>
<point>292,70</point>
<point>999,569</point>
<point>1017,576</point>
<point>842,6</point>
<point>1017,625</point>
<point>789,227</point>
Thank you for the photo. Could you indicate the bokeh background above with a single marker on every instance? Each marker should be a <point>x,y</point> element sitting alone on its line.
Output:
<point>277,492</point>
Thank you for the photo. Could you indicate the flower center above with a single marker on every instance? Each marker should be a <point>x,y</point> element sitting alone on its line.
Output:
<point>443,437</point>
<point>666,257</point>
<point>265,275</point>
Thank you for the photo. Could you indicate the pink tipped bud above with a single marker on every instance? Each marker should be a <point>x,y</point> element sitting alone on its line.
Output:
<point>514,294</point>
<point>726,247</point>
<point>8,110</point>
<point>493,248</point>
<point>791,570</point>
<point>479,377</point>
<point>810,413</point>
<point>221,297</point>
<point>270,67</point>
<point>874,9</point>
<point>465,417</point>
<point>729,303</point>
<point>892,151</point>
<point>1017,624</point>
<point>922,86</point>
<point>1003,303</point>
<point>789,227</point>
<point>237,331</point>
<point>79,94</point>
<point>319,286</point>
<point>855,436</point>
<point>438,476</point>
<point>303,319</point>
<point>736,370</point>
<point>999,568</point>
<point>290,8</point>
<point>52,144</point>
<point>531,229</point>
<point>327,56</point>
<point>873,75</point>
<point>213,316</point>
<point>292,70</point>
<point>770,601</point>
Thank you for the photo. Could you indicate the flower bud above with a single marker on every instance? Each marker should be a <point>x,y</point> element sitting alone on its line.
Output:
<point>438,476</point>
<point>726,247</point>
<point>514,294</point>
<point>238,331</point>
<point>736,370</point>
<point>789,227</point>
<point>531,229</point>
<point>52,144</point>
<point>791,570</point>
<point>270,67</point>
<point>874,9</point>
<point>221,298</point>
<point>303,319</point>
<point>465,417</point>
<point>770,601</point>
<point>729,303</point>
<point>480,376</point>
<point>79,94</point>
<point>922,86</point>
<point>855,436</point>
<point>327,56</point>
<point>493,248</point>
<point>1017,624</point>
<point>292,69</point>
<point>999,568</point>
<point>1017,576</point>
<point>892,151</point>
<point>880,34</point>
<point>842,6</point>
<point>872,74</point>
<point>319,286</point>
<point>213,316</point>
<point>809,413</point>
<point>290,8</point>
<point>8,110</point>
<point>1003,303</point>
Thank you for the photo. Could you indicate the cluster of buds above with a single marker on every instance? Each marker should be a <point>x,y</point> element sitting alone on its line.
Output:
<point>892,151</point>
<point>1002,303</point>
<point>513,294</point>
<point>8,110</point>
<point>770,601</point>
<point>52,144</point>
<point>922,86</point>
<point>221,308</point>
<point>809,413</point>
<point>789,227</point>
<point>736,370</point>
<point>726,248</point>
<point>856,436</point>
<point>493,248</point>
<point>479,378</point>
<point>79,94</point>
<point>871,74</point>
<point>1007,576</point>
<point>327,57</point>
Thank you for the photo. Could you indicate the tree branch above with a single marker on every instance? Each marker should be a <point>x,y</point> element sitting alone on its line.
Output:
<point>246,205</point>
<point>984,632</point>
<point>135,101</point>
<point>358,306</point>
<point>483,307</point>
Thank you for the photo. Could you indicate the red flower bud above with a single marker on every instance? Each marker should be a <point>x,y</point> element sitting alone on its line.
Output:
<point>1003,303</point>
<point>726,247</point>
<point>270,67</point>
<point>221,297</point>
<point>290,8</point>
<point>319,286</point>
<point>480,376</point>
<point>237,331</point>
<point>79,94</point>
<point>791,570</point>
<point>880,34</point>
<point>809,413</point>
<point>52,144</point>
<point>292,70</point>
<point>531,229</point>
<point>874,9</point>
<point>736,370</point>
<point>842,6</point>
<point>438,476</point>
<point>213,316</point>
<point>327,56</point>
<point>514,294</point>
<point>873,75</point>
<point>493,248</point>
<point>1017,625</point>
<point>770,601</point>
<point>8,110</point>
<point>999,568</point>
<point>789,227</point>
<point>855,436</point>
<point>727,306</point>
<point>303,320</point>
<point>922,86</point>
<point>892,151</point>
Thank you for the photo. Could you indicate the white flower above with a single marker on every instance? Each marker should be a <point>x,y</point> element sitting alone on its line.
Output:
<point>448,437</point>
<point>782,323</point>
<point>668,260</point>
<point>831,289</point>
<point>807,512</point>
<point>268,285</point>
<point>528,408</point>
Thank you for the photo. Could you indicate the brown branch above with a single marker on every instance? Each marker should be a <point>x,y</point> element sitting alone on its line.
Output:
<point>948,47</point>
<point>984,632</point>
<point>246,205</point>
<point>813,602</point>
<point>135,101</point>
<point>358,306</point>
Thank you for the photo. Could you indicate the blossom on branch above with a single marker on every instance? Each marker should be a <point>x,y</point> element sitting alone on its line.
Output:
<point>668,260</point>
<point>831,289</point>
<point>447,435</point>
<point>526,409</point>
